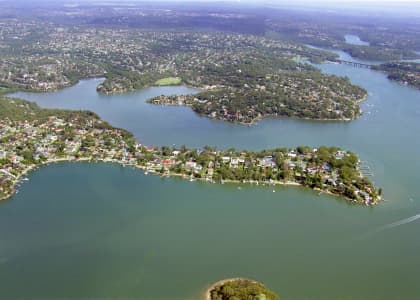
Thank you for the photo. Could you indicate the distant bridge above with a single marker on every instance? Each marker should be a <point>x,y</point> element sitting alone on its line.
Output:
<point>337,60</point>
<point>353,64</point>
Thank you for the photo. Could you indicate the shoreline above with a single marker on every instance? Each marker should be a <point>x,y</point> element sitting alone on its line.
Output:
<point>255,120</point>
<point>57,89</point>
<point>126,151</point>
<point>143,88</point>
<point>200,88</point>
<point>268,116</point>
<point>31,168</point>
<point>146,170</point>
<point>207,295</point>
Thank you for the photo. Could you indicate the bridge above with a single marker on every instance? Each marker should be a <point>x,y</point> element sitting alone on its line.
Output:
<point>340,61</point>
<point>353,64</point>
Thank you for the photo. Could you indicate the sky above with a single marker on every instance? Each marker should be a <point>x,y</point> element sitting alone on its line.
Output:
<point>379,4</point>
<point>288,1</point>
<point>372,4</point>
<point>285,2</point>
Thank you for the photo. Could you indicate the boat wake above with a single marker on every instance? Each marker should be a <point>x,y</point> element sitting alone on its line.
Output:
<point>392,225</point>
<point>399,223</point>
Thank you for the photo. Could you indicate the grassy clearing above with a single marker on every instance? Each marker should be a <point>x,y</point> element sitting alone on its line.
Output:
<point>6,90</point>
<point>169,81</point>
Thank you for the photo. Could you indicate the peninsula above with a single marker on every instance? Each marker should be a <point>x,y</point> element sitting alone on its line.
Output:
<point>407,73</point>
<point>31,136</point>
<point>242,77</point>
<point>307,95</point>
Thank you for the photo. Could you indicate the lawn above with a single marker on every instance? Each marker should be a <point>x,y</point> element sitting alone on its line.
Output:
<point>169,81</point>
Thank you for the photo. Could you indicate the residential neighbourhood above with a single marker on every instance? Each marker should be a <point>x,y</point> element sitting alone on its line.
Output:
<point>242,78</point>
<point>80,136</point>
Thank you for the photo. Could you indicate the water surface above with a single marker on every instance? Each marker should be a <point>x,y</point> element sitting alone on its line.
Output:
<point>102,231</point>
<point>85,230</point>
<point>342,55</point>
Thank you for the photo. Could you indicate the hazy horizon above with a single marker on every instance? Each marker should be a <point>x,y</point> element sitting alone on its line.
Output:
<point>390,8</point>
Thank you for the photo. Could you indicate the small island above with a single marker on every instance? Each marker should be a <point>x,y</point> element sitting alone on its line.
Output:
<point>31,136</point>
<point>239,288</point>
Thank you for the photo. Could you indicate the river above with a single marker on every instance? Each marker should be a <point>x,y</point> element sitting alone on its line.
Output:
<point>102,231</point>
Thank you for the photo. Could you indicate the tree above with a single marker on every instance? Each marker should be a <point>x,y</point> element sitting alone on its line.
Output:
<point>28,156</point>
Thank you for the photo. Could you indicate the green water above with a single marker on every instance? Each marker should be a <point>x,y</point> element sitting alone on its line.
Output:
<point>101,231</point>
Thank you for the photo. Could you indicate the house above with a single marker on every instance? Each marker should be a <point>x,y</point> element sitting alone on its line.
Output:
<point>340,154</point>
<point>267,162</point>
<point>51,138</point>
<point>17,159</point>
<point>190,164</point>
<point>331,181</point>
<point>312,169</point>
<point>168,162</point>
<point>150,149</point>
<point>226,159</point>
<point>364,195</point>
<point>234,162</point>
<point>3,154</point>
<point>198,169</point>
<point>71,148</point>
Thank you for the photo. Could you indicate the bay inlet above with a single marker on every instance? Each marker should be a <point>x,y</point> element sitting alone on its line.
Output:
<point>100,230</point>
